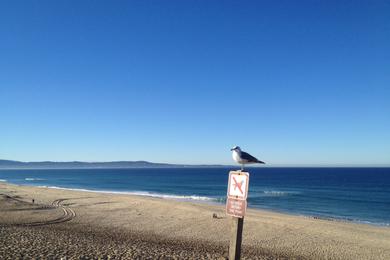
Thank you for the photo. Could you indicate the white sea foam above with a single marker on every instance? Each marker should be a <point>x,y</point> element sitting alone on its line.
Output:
<point>34,179</point>
<point>1,180</point>
<point>142,193</point>
<point>276,193</point>
<point>271,193</point>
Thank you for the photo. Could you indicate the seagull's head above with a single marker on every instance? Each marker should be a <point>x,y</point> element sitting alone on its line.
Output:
<point>236,148</point>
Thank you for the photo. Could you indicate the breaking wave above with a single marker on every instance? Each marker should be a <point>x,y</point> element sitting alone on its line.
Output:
<point>277,193</point>
<point>271,193</point>
<point>34,179</point>
<point>143,193</point>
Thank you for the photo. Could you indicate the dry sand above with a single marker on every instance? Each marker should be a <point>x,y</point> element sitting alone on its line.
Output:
<point>87,225</point>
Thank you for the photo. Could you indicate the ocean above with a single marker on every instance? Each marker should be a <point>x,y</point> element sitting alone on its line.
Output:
<point>350,194</point>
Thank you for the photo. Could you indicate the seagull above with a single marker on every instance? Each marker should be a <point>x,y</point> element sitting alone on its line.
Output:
<point>243,157</point>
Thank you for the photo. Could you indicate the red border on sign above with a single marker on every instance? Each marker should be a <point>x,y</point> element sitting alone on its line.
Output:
<point>247,185</point>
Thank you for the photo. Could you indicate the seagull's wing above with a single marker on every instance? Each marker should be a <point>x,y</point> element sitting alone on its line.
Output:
<point>250,158</point>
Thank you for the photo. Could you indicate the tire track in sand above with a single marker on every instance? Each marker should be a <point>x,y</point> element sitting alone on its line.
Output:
<point>67,215</point>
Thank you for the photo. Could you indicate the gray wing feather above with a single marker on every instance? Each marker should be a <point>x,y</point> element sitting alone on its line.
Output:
<point>249,158</point>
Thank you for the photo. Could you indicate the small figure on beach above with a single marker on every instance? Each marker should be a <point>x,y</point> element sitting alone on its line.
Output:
<point>33,201</point>
<point>242,157</point>
<point>215,215</point>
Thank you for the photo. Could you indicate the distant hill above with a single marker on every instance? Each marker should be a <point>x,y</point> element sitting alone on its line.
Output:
<point>9,164</point>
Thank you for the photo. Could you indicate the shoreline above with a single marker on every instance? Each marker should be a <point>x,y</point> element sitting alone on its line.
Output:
<point>170,226</point>
<point>206,200</point>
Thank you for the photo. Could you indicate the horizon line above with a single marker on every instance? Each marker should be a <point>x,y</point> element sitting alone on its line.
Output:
<point>267,165</point>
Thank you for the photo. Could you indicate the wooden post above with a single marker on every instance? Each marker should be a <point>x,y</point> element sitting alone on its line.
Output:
<point>236,207</point>
<point>236,238</point>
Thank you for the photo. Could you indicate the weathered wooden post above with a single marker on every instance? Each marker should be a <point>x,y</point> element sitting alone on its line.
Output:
<point>236,204</point>
<point>236,238</point>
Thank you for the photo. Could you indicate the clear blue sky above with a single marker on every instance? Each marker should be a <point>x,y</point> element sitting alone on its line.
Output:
<point>293,83</point>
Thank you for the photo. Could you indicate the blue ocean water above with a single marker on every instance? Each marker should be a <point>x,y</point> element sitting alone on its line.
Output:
<point>353,194</point>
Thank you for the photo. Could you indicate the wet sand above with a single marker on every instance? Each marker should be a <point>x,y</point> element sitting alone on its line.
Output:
<point>87,225</point>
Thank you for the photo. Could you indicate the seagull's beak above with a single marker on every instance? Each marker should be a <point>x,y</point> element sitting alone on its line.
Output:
<point>231,149</point>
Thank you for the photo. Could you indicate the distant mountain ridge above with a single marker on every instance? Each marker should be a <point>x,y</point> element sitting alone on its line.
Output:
<point>10,164</point>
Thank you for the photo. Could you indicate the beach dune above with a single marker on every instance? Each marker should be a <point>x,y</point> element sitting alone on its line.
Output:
<point>76,224</point>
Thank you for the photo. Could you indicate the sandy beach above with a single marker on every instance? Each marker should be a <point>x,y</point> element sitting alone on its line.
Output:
<point>89,225</point>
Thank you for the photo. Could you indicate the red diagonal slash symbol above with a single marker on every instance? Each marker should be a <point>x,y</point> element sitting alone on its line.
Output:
<point>238,185</point>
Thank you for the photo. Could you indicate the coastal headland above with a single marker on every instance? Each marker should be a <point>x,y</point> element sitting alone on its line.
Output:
<point>91,225</point>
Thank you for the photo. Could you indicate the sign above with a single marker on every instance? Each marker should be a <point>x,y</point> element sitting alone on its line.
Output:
<point>238,185</point>
<point>237,193</point>
<point>236,207</point>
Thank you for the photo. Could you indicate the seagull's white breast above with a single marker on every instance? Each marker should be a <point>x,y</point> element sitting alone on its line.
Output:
<point>237,157</point>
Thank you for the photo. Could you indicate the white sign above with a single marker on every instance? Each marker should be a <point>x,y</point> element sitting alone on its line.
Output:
<point>238,185</point>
